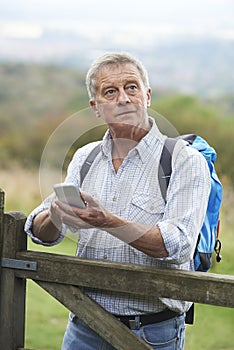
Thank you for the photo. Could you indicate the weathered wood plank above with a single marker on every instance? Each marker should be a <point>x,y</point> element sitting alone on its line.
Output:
<point>12,289</point>
<point>200,287</point>
<point>102,322</point>
<point>2,199</point>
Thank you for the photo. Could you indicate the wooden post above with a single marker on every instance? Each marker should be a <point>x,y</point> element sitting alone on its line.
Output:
<point>1,222</point>
<point>1,243</point>
<point>12,289</point>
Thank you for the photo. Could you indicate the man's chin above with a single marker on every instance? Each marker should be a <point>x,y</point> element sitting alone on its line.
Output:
<point>126,123</point>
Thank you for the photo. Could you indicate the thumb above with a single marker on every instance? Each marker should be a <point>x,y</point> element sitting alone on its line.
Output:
<point>88,198</point>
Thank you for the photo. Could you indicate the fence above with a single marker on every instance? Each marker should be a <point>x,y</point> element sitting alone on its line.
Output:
<point>62,276</point>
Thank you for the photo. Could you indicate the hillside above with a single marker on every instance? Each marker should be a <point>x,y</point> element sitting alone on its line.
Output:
<point>29,92</point>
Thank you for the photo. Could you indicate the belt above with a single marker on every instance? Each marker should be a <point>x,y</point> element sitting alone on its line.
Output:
<point>135,322</point>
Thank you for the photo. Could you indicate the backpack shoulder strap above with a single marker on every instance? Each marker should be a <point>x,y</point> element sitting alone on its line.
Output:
<point>88,162</point>
<point>165,164</point>
<point>165,168</point>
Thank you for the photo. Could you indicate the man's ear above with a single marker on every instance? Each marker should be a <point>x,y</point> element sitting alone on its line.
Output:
<point>148,97</point>
<point>93,105</point>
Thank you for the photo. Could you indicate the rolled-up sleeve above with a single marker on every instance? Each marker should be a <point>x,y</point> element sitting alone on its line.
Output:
<point>186,204</point>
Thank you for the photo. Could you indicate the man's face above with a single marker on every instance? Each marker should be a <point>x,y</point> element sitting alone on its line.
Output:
<point>121,96</point>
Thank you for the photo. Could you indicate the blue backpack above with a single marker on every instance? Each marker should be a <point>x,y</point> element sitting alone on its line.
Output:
<point>208,238</point>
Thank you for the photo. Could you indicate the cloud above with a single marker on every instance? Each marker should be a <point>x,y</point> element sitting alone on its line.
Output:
<point>20,30</point>
<point>93,18</point>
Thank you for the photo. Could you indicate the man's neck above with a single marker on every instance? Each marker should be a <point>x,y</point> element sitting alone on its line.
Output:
<point>125,138</point>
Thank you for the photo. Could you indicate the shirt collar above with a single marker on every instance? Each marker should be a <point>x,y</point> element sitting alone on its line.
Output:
<point>145,148</point>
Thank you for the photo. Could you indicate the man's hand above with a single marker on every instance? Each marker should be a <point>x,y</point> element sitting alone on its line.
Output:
<point>94,215</point>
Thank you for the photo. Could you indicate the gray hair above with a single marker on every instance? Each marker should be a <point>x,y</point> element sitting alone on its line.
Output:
<point>113,58</point>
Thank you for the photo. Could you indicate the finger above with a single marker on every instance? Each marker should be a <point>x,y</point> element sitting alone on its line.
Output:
<point>61,205</point>
<point>55,215</point>
<point>53,208</point>
<point>75,222</point>
<point>69,209</point>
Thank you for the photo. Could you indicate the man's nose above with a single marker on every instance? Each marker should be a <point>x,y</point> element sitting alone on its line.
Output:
<point>123,97</point>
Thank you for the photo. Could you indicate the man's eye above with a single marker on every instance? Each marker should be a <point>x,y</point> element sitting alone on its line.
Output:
<point>110,92</point>
<point>132,88</point>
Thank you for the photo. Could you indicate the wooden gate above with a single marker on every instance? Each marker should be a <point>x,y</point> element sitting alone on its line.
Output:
<point>62,276</point>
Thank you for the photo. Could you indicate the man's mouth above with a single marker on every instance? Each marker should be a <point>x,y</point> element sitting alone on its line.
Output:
<point>124,113</point>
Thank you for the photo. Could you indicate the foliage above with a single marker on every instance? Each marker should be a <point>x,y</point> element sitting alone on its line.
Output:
<point>34,100</point>
<point>190,115</point>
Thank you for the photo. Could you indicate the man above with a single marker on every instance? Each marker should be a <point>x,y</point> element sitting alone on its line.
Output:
<point>126,218</point>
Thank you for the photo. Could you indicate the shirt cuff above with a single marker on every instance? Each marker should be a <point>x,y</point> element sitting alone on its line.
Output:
<point>178,248</point>
<point>28,228</point>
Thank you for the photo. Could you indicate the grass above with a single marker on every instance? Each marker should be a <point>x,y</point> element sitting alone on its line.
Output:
<point>214,326</point>
<point>46,319</point>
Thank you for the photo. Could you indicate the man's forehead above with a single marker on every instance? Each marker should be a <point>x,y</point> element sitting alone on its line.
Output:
<point>110,72</point>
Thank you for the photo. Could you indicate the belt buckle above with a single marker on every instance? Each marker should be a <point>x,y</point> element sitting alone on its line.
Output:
<point>135,324</point>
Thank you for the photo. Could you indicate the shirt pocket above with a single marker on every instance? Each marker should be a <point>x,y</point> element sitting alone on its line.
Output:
<point>147,209</point>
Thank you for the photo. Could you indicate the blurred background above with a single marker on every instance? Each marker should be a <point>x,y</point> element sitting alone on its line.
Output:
<point>46,48</point>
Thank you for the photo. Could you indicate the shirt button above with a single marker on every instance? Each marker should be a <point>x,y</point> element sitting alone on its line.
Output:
<point>152,207</point>
<point>114,199</point>
<point>105,257</point>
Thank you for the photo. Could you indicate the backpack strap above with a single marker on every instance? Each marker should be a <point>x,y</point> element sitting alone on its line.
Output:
<point>164,175</point>
<point>88,162</point>
<point>165,167</point>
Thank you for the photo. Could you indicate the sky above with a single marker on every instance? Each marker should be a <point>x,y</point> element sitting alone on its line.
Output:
<point>121,10</point>
<point>200,17</point>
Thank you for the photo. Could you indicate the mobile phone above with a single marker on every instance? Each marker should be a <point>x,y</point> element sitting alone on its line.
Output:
<point>70,194</point>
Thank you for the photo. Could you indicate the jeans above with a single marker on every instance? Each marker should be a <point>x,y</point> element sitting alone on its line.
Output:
<point>166,335</point>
